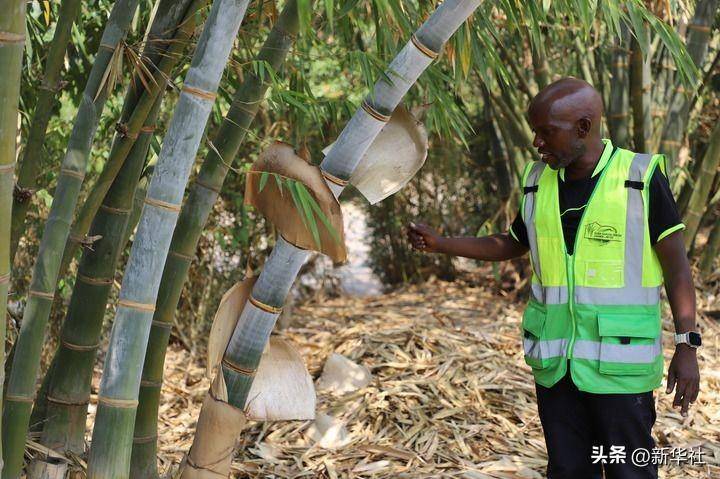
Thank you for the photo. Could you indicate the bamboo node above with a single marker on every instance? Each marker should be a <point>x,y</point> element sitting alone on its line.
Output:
<point>162,204</point>
<point>94,281</point>
<point>618,115</point>
<point>162,324</point>
<point>205,95</point>
<point>238,369</point>
<point>65,402</point>
<point>42,294</point>
<point>671,143</point>
<point>374,113</point>
<point>145,440</point>
<point>8,168</point>
<point>208,187</point>
<point>18,398</point>
<point>333,179</point>
<point>119,403</point>
<point>79,347</point>
<point>699,28</point>
<point>148,129</point>
<point>114,211</point>
<point>21,194</point>
<point>135,305</point>
<point>265,307</point>
<point>107,47</point>
<point>290,242</point>
<point>5,278</point>
<point>423,49</point>
<point>73,173</point>
<point>181,255</point>
<point>190,463</point>
<point>10,37</point>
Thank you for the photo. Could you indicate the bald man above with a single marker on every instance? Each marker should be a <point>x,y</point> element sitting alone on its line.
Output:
<point>604,234</point>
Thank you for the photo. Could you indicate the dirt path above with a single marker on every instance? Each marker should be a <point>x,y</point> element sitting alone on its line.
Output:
<point>451,395</point>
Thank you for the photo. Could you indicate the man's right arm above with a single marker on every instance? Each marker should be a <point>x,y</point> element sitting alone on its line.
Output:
<point>497,247</point>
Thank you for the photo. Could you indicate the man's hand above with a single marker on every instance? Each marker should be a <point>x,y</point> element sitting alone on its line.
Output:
<point>423,238</point>
<point>685,373</point>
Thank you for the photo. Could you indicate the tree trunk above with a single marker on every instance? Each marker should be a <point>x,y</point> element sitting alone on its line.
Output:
<point>118,398</point>
<point>31,164</point>
<point>12,41</point>
<point>701,189</point>
<point>256,322</point>
<point>21,386</point>
<point>203,195</point>
<point>171,15</point>
<point>710,251</point>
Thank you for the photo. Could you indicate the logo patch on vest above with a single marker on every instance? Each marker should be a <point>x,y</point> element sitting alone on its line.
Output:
<point>601,233</point>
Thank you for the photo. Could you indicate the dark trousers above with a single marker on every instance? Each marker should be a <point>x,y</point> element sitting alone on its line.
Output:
<point>574,421</point>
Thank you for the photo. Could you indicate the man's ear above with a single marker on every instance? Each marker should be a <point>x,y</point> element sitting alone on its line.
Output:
<point>583,127</point>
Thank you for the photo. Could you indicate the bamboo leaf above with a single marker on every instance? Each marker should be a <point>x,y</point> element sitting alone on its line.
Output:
<point>263,180</point>
<point>296,199</point>
<point>304,196</point>
<point>319,212</point>
<point>278,181</point>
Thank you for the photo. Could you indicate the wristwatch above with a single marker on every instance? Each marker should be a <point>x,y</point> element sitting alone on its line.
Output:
<point>692,339</point>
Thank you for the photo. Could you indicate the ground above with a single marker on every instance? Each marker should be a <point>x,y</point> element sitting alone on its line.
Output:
<point>451,395</point>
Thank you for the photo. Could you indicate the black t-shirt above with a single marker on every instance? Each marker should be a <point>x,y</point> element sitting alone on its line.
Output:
<point>663,217</point>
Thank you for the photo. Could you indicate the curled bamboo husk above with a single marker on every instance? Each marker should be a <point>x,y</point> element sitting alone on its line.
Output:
<point>219,425</point>
<point>283,389</point>
<point>279,208</point>
<point>341,375</point>
<point>226,317</point>
<point>393,158</point>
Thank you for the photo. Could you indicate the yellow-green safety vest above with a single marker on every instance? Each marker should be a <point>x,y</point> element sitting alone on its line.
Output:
<point>600,306</point>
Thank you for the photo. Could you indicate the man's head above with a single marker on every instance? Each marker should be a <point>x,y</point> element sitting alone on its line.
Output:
<point>565,117</point>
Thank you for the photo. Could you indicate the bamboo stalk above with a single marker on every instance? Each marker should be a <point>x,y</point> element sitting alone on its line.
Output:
<point>118,398</point>
<point>679,107</point>
<point>69,386</point>
<point>138,103</point>
<point>32,158</point>
<point>12,42</point>
<point>618,118</point>
<point>257,320</point>
<point>193,217</point>
<point>701,189</point>
<point>640,96</point>
<point>169,15</point>
<point>21,386</point>
<point>710,251</point>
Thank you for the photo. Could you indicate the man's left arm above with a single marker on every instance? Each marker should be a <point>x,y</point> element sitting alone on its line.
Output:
<point>683,372</point>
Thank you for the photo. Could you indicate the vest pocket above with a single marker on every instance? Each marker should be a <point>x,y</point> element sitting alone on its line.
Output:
<point>540,353</point>
<point>629,343</point>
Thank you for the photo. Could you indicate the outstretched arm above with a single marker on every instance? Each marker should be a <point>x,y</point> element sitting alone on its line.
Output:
<point>497,247</point>
<point>683,370</point>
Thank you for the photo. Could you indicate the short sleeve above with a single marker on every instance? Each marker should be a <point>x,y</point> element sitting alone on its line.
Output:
<point>663,217</point>
<point>518,230</point>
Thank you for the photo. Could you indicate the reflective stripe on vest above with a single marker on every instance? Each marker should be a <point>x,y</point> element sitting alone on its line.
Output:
<point>594,350</point>
<point>538,290</point>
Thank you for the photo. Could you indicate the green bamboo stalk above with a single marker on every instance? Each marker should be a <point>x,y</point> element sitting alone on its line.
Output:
<point>138,102</point>
<point>701,189</point>
<point>710,251</point>
<point>12,41</point>
<point>69,387</point>
<point>21,386</point>
<point>618,117</point>
<point>171,15</point>
<point>118,398</point>
<point>679,107</point>
<point>640,95</point>
<point>31,164</point>
<point>255,324</point>
<point>193,217</point>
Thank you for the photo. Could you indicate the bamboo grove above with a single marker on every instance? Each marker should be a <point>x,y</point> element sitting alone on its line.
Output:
<point>106,115</point>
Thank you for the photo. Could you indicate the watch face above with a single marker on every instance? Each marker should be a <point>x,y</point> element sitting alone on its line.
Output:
<point>694,339</point>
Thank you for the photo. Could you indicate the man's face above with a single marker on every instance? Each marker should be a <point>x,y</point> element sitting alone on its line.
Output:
<point>556,139</point>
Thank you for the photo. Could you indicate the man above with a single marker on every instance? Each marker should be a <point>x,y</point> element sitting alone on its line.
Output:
<point>603,233</point>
